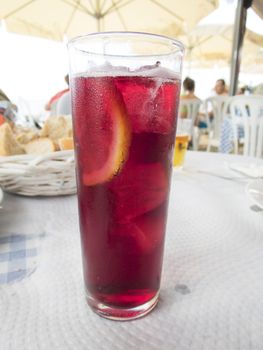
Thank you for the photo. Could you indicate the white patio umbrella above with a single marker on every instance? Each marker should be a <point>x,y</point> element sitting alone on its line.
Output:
<point>208,44</point>
<point>53,19</point>
<point>211,44</point>
<point>252,63</point>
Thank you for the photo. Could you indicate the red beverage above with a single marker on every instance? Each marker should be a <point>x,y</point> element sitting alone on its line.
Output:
<point>123,213</point>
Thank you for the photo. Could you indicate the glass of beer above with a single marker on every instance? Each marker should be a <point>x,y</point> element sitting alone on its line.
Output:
<point>181,141</point>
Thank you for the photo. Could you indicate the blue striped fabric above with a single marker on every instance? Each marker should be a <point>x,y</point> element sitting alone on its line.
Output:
<point>18,256</point>
<point>227,136</point>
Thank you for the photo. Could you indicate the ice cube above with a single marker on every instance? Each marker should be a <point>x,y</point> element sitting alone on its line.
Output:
<point>144,233</point>
<point>151,103</point>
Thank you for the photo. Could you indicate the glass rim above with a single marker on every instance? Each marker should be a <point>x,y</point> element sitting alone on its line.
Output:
<point>173,42</point>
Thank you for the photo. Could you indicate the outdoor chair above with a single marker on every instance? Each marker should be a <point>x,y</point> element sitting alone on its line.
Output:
<point>247,115</point>
<point>216,109</point>
<point>63,105</point>
<point>189,108</point>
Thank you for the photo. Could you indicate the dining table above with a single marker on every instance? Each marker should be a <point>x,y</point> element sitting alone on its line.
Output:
<point>211,295</point>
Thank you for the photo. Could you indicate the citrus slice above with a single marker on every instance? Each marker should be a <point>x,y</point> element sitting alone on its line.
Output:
<point>139,188</point>
<point>102,130</point>
<point>145,232</point>
<point>117,148</point>
<point>150,228</point>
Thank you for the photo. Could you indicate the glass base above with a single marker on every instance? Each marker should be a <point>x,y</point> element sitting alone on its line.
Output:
<point>121,314</point>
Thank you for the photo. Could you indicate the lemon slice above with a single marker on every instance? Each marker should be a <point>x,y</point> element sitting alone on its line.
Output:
<point>117,149</point>
<point>102,129</point>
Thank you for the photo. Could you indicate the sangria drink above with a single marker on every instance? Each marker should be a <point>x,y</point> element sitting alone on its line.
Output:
<point>124,130</point>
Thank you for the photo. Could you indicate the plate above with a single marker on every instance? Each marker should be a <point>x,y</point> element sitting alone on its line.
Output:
<point>255,192</point>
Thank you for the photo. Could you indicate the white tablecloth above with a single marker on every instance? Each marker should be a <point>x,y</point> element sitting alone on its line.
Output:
<point>212,286</point>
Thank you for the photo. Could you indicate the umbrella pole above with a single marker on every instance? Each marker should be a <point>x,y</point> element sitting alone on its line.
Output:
<point>239,32</point>
<point>98,15</point>
<point>190,61</point>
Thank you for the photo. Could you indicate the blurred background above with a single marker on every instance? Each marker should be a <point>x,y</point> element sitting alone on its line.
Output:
<point>33,64</point>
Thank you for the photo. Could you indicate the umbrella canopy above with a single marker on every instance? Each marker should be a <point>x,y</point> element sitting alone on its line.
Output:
<point>257,5</point>
<point>252,63</point>
<point>210,44</point>
<point>53,19</point>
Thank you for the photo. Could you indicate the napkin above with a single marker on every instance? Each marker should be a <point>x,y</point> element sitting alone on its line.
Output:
<point>250,169</point>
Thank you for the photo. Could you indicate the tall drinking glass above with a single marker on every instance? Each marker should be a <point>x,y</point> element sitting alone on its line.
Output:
<point>125,88</point>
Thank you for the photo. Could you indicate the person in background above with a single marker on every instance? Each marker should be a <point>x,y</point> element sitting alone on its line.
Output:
<point>243,90</point>
<point>220,88</point>
<point>189,89</point>
<point>51,105</point>
<point>188,94</point>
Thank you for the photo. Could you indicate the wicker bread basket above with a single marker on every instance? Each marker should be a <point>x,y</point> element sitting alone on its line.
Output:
<point>52,174</point>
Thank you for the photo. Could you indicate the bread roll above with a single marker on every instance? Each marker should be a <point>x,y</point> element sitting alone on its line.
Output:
<point>42,145</point>
<point>66,143</point>
<point>8,144</point>
<point>57,127</point>
<point>25,136</point>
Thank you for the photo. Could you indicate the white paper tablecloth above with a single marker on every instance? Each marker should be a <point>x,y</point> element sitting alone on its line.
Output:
<point>212,286</point>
